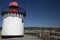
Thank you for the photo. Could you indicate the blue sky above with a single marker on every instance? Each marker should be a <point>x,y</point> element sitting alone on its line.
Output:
<point>43,13</point>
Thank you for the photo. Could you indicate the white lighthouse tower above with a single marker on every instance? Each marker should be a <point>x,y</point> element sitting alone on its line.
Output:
<point>13,25</point>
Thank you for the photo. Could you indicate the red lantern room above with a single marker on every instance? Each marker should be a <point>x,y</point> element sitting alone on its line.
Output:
<point>14,6</point>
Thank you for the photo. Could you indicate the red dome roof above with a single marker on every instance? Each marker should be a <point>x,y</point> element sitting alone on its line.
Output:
<point>13,4</point>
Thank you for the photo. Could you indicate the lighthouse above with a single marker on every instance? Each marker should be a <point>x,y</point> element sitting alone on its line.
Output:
<point>13,20</point>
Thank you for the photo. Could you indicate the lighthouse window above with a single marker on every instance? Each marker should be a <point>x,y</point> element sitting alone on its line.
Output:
<point>22,20</point>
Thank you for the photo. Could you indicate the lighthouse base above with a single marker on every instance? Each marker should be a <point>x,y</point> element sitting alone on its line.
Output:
<point>9,36</point>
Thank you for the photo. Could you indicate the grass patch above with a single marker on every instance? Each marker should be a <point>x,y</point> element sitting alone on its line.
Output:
<point>0,34</point>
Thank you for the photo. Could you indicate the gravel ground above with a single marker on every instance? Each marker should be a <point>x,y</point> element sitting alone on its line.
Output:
<point>26,37</point>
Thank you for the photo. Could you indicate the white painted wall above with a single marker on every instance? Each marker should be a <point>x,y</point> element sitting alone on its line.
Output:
<point>12,24</point>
